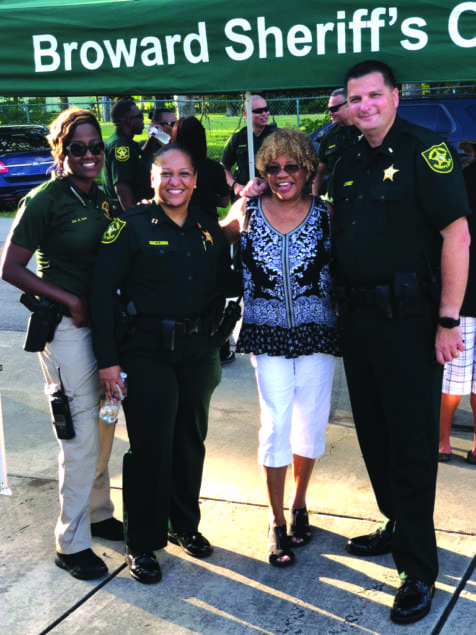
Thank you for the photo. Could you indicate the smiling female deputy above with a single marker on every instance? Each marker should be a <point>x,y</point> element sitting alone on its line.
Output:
<point>289,325</point>
<point>171,262</point>
<point>63,221</point>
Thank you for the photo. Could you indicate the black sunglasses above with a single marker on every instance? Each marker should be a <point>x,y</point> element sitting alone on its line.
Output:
<point>334,109</point>
<point>139,116</point>
<point>260,111</point>
<point>291,168</point>
<point>165,123</point>
<point>79,149</point>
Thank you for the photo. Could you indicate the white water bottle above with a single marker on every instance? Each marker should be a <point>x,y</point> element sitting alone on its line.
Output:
<point>159,134</point>
<point>110,410</point>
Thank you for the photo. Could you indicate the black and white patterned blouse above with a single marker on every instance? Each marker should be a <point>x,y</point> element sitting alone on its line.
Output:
<point>288,309</point>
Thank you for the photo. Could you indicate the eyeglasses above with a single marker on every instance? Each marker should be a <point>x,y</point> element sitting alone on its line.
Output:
<point>139,116</point>
<point>164,123</point>
<point>274,170</point>
<point>78,148</point>
<point>260,111</point>
<point>334,109</point>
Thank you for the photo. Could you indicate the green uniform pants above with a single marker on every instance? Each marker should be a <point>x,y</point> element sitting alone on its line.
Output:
<point>166,412</point>
<point>395,392</point>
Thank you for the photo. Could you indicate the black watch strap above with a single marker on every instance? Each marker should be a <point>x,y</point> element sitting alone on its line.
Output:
<point>448,323</point>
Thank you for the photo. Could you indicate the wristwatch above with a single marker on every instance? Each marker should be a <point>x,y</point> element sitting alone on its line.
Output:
<point>448,323</point>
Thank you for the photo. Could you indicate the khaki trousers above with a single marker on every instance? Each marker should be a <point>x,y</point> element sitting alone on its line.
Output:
<point>84,488</point>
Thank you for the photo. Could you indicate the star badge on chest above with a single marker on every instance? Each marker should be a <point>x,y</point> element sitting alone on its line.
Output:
<point>389,173</point>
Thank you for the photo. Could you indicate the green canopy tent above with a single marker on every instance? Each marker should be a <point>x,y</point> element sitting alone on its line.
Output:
<point>111,47</point>
<point>84,47</point>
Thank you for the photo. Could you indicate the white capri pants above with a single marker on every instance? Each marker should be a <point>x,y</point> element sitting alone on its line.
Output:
<point>295,400</point>
<point>84,487</point>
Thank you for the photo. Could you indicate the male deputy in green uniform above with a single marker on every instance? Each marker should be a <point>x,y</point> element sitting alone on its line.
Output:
<point>340,136</point>
<point>400,213</point>
<point>236,149</point>
<point>172,263</point>
<point>126,172</point>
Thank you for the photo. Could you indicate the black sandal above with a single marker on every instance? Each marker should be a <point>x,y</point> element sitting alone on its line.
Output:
<point>301,532</point>
<point>280,553</point>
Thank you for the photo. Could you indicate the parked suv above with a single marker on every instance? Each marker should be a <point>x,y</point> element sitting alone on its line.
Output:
<point>25,160</point>
<point>453,117</point>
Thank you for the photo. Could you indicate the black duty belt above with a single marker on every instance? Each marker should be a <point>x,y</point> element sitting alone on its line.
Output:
<point>180,327</point>
<point>364,297</point>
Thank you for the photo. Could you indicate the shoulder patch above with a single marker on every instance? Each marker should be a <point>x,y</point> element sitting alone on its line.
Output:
<point>121,153</point>
<point>113,231</point>
<point>439,158</point>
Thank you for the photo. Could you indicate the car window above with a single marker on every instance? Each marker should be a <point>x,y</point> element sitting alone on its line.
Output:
<point>431,116</point>
<point>472,110</point>
<point>22,141</point>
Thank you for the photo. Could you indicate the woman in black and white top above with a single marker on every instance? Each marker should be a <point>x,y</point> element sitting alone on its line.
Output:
<point>289,325</point>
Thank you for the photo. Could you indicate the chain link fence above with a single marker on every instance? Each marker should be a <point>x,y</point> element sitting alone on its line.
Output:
<point>38,111</point>
<point>221,117</point>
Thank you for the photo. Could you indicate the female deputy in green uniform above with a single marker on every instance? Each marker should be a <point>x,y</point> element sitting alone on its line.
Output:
<point>63,221</point>
<point>171,263</point>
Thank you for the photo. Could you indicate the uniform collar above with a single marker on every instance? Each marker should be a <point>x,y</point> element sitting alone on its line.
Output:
<point>81,197</point>
<point>158,216</point>
<point>388,145</point>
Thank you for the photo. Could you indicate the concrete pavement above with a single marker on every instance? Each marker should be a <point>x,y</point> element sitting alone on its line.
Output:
<point>235,591</point>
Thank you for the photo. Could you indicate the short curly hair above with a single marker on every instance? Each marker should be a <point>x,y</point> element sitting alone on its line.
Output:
<point>291,143</point>
<point>62,130</point>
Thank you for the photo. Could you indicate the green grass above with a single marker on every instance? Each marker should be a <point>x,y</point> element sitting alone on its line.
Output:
<point>219,129</point>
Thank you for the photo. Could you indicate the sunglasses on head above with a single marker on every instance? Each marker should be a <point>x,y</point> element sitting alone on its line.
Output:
<point>291,168</point>
<point>79,149</point>
<point>334,109</point>
<point>260,111</point>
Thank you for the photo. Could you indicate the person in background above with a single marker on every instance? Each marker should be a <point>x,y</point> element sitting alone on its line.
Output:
<point>63,222</point>
<point>459,375</point>
<point>171,263</point>
<point>289,325</point>
<point>341,135</point>
<point>400,210</point>
<point>236,149</point>
<point>126,171</point>
<point>211,190</point>
<point>164,119</point>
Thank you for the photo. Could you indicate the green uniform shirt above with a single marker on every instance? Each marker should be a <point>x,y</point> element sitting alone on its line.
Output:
<point>168,271</point>
<point>391,203</point>
<point>236,151</point>
<point>64,227</point>
<point>123,162</point>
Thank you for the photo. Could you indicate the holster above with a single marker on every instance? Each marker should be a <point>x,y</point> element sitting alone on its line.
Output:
<point>230,317</point>
<point>42,324</point>
<point>124,320</point>
<point>408,294</point>
<point>340,295</point>
<point>167,335</point>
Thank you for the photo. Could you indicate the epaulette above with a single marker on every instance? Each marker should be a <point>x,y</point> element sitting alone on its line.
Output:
<point>425,135</point>
<point>134,211</point>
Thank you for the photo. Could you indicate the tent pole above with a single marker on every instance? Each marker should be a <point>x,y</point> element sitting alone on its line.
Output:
<point>249,127</point>
<point>3,461</point>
